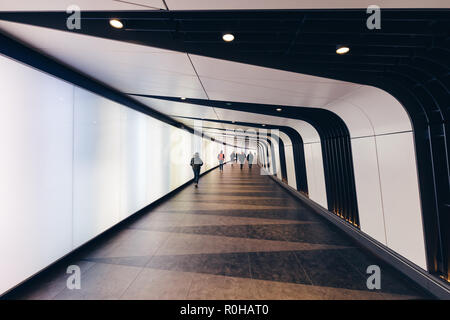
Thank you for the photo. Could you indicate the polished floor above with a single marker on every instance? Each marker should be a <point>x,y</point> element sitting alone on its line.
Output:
<point>237,236</point>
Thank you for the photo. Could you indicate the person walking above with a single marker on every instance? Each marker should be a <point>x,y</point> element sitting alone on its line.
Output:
<point>250,160</point>
<point>232,157</point>
<point>221,158</point>
<point>241,157</point>
<point>196,164</point>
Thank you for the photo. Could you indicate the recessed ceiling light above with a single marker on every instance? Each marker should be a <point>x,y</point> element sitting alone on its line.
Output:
<point>279,109</point>
<point>263,125</point>
<point>115,23</point>
<point>342,50</point>
<point>183,98</point>
<point>228,37</point>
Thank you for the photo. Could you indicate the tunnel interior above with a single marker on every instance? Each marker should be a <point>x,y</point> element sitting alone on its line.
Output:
<point>364,135</point>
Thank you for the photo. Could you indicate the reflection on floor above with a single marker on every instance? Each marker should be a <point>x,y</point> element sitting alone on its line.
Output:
<point>238,236</point>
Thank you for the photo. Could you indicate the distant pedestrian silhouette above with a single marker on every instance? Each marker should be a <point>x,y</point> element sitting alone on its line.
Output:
<point>196,164</point>
<point>250,160</point>
<point>241,158</point>
<point>221,158</point>
<point>232,157</point>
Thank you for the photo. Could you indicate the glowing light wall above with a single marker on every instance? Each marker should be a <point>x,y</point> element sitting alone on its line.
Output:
<point>73,165</point>
<point>36,141</point>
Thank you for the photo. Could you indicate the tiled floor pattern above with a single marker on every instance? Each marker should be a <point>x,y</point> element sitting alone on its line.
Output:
<point>238,236</point>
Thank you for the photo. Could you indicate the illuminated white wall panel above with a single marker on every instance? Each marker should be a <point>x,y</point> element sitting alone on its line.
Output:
<point>97,165</point>
<point>208,155</point>
<point>73,165</point>
<point>134,182</point>
<point>400,192</point>
<point>290,162</point>
<point>386,114</point>
<point>35,171</point>
<point>315,173</point>
<point>276,149</point>
<point>290,166</point>
<point>158,159</point>
<point>368,189</point>
<point>274,159</point>
<point>179,158</point>
<point>264,158</point>
<point>385,169</point>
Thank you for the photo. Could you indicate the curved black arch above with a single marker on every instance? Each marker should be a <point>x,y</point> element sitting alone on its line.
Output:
<point>281,151</point>
<point>263,163</point>
<point>335,144</point>
<point>264,153</point>
<point>272,152</point>
<point>299,158</point>
<point>297,148</point>
<point>265,145</point>
<point>298,154</point>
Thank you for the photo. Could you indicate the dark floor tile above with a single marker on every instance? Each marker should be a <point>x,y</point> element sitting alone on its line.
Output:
<point>186,263</point>
<point>316,233</point>
<point>244,194</point>
<point>227,264</point>
<point>277,266</point>
<point>235,231</point>
<point>267,232</point>
<point>288,214</point>
<point>293,232</point>
<point>140,261</point>
<point>300,232</point>
<point>392,281</point>
<point>277,204</point>
<point>328,268</point>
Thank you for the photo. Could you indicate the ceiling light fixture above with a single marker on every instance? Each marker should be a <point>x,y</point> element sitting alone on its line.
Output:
<point>263,125</point>
<point>342,49</point>
<point>279,109</point>
<point>115,23</point>
<point>183,98</point>
<point>228,37</point>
